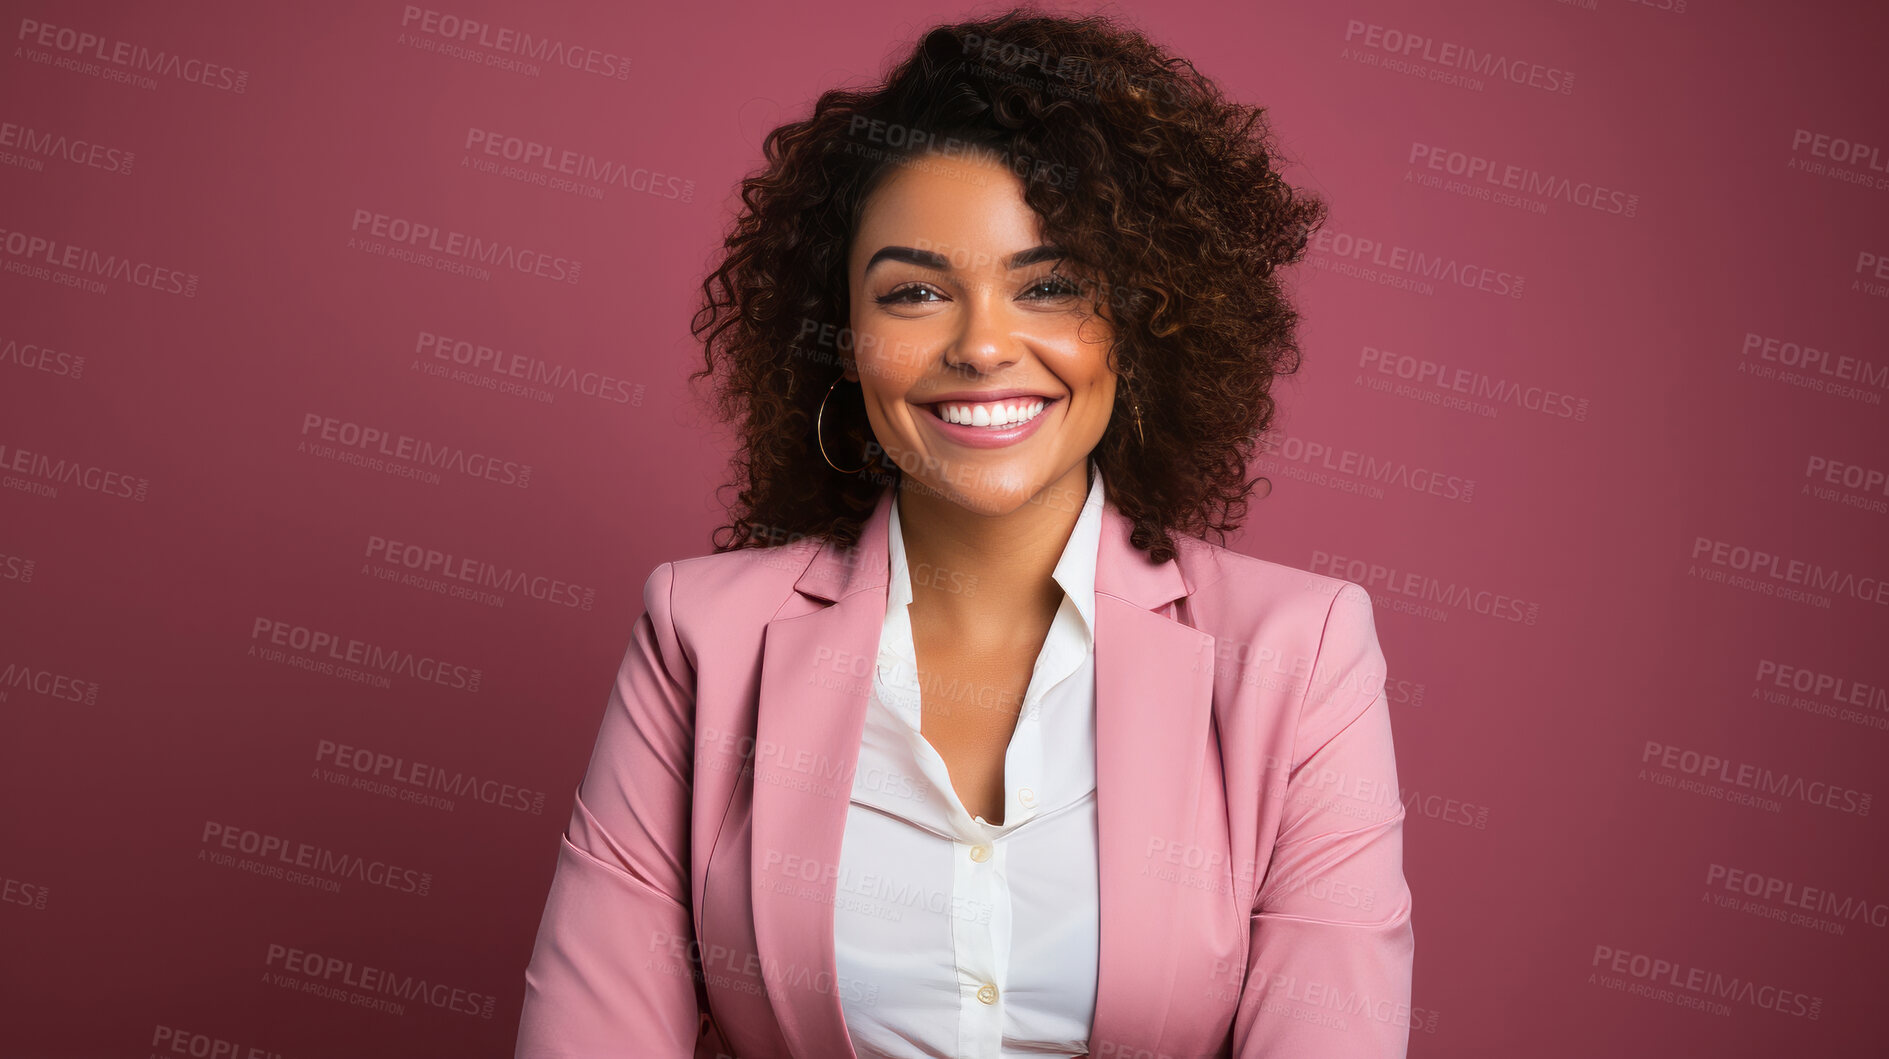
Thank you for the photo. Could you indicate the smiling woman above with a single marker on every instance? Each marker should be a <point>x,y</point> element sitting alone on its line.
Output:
<point>965,741</point>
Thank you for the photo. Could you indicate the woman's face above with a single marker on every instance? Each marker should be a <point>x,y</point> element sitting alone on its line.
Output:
<point>985,373</point>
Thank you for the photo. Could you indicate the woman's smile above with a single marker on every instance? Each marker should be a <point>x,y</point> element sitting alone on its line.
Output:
<point>1003,419</point>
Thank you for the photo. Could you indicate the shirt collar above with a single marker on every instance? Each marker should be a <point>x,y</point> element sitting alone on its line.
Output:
<point>1075,569</point>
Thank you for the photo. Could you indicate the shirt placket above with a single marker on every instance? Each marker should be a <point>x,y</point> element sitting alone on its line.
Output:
<point>982,917</point>
<point>980,927</point>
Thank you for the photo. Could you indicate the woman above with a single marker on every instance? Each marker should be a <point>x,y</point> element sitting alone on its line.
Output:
<point>965,742</point>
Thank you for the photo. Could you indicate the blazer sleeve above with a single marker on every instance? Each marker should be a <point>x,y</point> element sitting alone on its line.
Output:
<point>1329,969</point>
<point>613,971</point>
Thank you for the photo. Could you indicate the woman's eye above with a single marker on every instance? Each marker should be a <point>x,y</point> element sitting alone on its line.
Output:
<point>906,296</point>
<point>1053,287</point>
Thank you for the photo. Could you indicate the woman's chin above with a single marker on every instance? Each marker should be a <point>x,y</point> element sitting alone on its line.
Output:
<point>996,494</point>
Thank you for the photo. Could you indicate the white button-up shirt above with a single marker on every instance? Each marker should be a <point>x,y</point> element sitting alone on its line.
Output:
<point>982,939</point>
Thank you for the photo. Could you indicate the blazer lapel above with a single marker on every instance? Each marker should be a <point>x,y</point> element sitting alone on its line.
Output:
<point>1154,692</point>
<point>1153,705</point>
<point>816,680</point>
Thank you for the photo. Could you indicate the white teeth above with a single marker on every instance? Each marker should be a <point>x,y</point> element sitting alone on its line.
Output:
<point>995,414</point>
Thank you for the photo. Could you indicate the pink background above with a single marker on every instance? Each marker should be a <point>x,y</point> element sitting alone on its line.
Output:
<point>159,497</point>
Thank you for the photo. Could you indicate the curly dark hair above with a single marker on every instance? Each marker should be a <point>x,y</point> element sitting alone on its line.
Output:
<point>1141,170</point>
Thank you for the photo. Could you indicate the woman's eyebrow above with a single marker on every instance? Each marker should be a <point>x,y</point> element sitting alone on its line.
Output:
<point>921,258</point>
<point>1026,258</point>
<point>938,262</point>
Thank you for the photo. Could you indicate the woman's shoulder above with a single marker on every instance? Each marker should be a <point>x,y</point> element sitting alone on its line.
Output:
<point>726,584</point>
<point>1272,622</point>
<point>1238,590</point>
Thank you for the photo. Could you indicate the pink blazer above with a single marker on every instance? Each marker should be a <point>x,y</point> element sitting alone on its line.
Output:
<point>1253,902</point>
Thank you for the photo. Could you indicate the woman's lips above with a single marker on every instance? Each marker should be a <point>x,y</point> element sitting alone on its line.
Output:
<point>987,437</point>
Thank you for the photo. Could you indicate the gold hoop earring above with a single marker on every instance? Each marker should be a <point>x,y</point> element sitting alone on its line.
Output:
<point>819,422</point>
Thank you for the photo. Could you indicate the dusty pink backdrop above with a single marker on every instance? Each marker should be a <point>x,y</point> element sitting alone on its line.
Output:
<point>1557,414</point>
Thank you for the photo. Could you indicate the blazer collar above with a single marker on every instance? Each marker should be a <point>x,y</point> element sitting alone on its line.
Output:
<point>1153,703</point>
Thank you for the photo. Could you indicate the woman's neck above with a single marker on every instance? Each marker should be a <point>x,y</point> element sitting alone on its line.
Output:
<point>967,569</point>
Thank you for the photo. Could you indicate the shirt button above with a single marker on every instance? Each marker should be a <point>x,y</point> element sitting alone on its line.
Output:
<point>980,854</point>
<point>987,994</point>
<point>1026,796</point>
